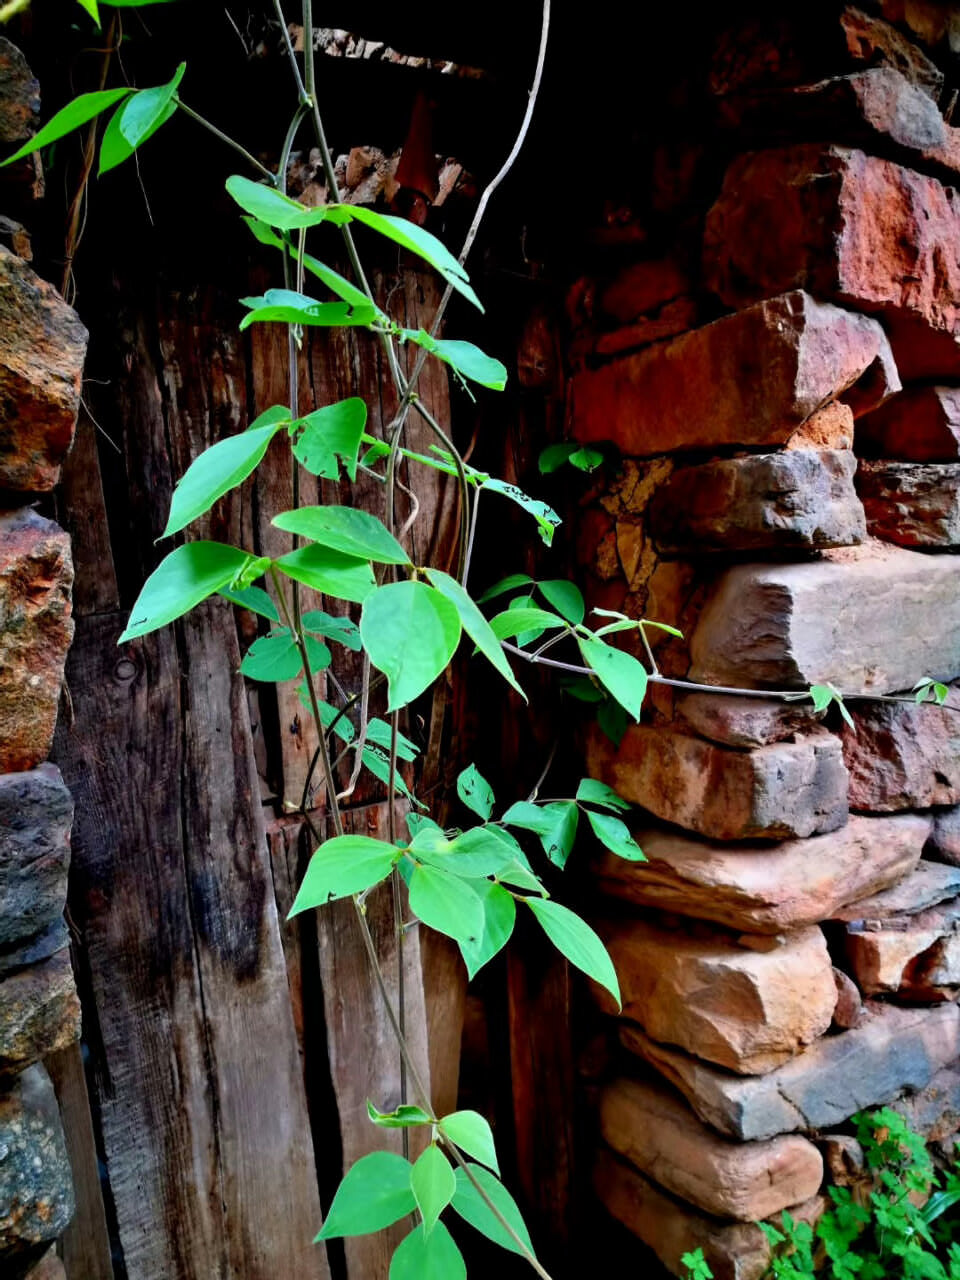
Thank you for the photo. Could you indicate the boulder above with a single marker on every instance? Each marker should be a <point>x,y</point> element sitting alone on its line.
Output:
<point>794,498</point>
<point>895,1049</point>
<point>42,349</point>
<point>914,504</point>
<point>671,1228</point>
<point>747,379</point>
<point>786,789</point>
<point>737,721</point>
<point>921,424</point>
<point>915,956</point>
<point>934,1110</point>
<point>659,1135</point>
<point>36,1189</point>
<point>844,225</point>
<point>836,620</point>
<point>36,812</point>
<point>768,888</point>
<point>902,756</point>
<point>39,1012</point>
<point>36,627</point>
<point>745,1009</point>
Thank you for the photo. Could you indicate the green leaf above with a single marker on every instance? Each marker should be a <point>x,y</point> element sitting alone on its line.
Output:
<point>472,1134</point>
<point>446,903</point>
<point>428,1257</point>
<point>585,459</point>
<point>554,456</point>
<point>138,119</point>
<point>615,834</point>
<point>475,791</point>
<point>499,916</point>
<point>402,1117</point>
<point>330,717</point>
<point>288,307</point>
<point>379,731</point>
<point>344,630</point>
<point>335,282</point>
<point>477,852</point>
<point>466,359</point>
<point>375,1193</point>
<point>91,7</point>
<point>70,117</point>
<point>378,762</point>
<point>328,434</point>
<point>217,470</point>
<point>547,519</point>
<point>346,529</point>
<point>411,632</point>
<point>510,583</point>
<point>575,939</point>
<point>612,719</point>
<point>590,791</point>
<point>329,571</point>
<point>272,658</point>
<point>409,236</point>
<point>342,866</point>
<point>514,621</point>
<point>565,598</point>
<point>269,206</point>
<point>188,575</point>
<point>468,1202</point>
<point>433,1185</point>
<point>475,625</point>
<point>253,598</point>
<point>822,696</point>
<point>619,673</point>
<point>555,824</point>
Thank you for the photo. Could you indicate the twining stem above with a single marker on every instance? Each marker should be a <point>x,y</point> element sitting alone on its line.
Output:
<point>226,139</point>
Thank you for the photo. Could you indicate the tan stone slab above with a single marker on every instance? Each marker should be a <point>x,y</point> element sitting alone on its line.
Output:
<point>839,620</point>
<point>926,885</point>
<point>894,1050</point>
<point>786,789</point>
<point>745,1009</point>
<point>769,888</point>
<point>659,1135</point>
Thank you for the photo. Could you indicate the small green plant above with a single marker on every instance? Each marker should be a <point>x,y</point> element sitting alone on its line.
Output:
<point>696,1265</point>
<point>897,1225</point>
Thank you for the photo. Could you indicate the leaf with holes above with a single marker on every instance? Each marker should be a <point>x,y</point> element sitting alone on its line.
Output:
<point>329,436</point>
<point>615,835</point>
<point>410,632</point>
<point>590,791</point>
<point>344,630</point>
<point>555,824</point>
<point>547,519</point>
<point>341,867</point>
<point>375,1193</point>
<point>499,917</point>
<point>475,791</point>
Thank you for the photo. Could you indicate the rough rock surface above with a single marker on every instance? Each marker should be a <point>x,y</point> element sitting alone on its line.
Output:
<point>784,46</point>
<point>36,627</point>
<point>39,1012</point>
<point>895,1049</point>
<point>36,1190</point>
<point>42,348</point>
<point>747,379</point>
<point>921,424</point>
<point>926,885</point>
<point>786,789</point>
<point>829,428</point>
<point>944,842</point>
<point>743,721</point>
<point>747,1010</point>
<point>661,1137</point>
<point>914,504</point>
<point>794,498</point>
<point>768,888</point>
<point>671,1228</point>
<point>36,812</point>
<point>844,225</point>
<point>934,1110</point>
<point>829,621</point>
<point>915,955</point>
<point>902,756</point>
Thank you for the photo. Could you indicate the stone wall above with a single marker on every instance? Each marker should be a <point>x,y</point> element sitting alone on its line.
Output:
<point>779,367</point>
<point>42,347</point>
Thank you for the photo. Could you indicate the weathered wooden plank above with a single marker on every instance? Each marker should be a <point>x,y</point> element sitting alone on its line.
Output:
<point>364,1060</point>
<point>85,1245</point>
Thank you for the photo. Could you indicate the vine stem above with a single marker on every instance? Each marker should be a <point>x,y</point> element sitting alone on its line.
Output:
<point>226,139</point>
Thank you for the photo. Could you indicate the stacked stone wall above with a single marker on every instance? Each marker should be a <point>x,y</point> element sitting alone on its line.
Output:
<point>779,368</point>
<point>42,347</point>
